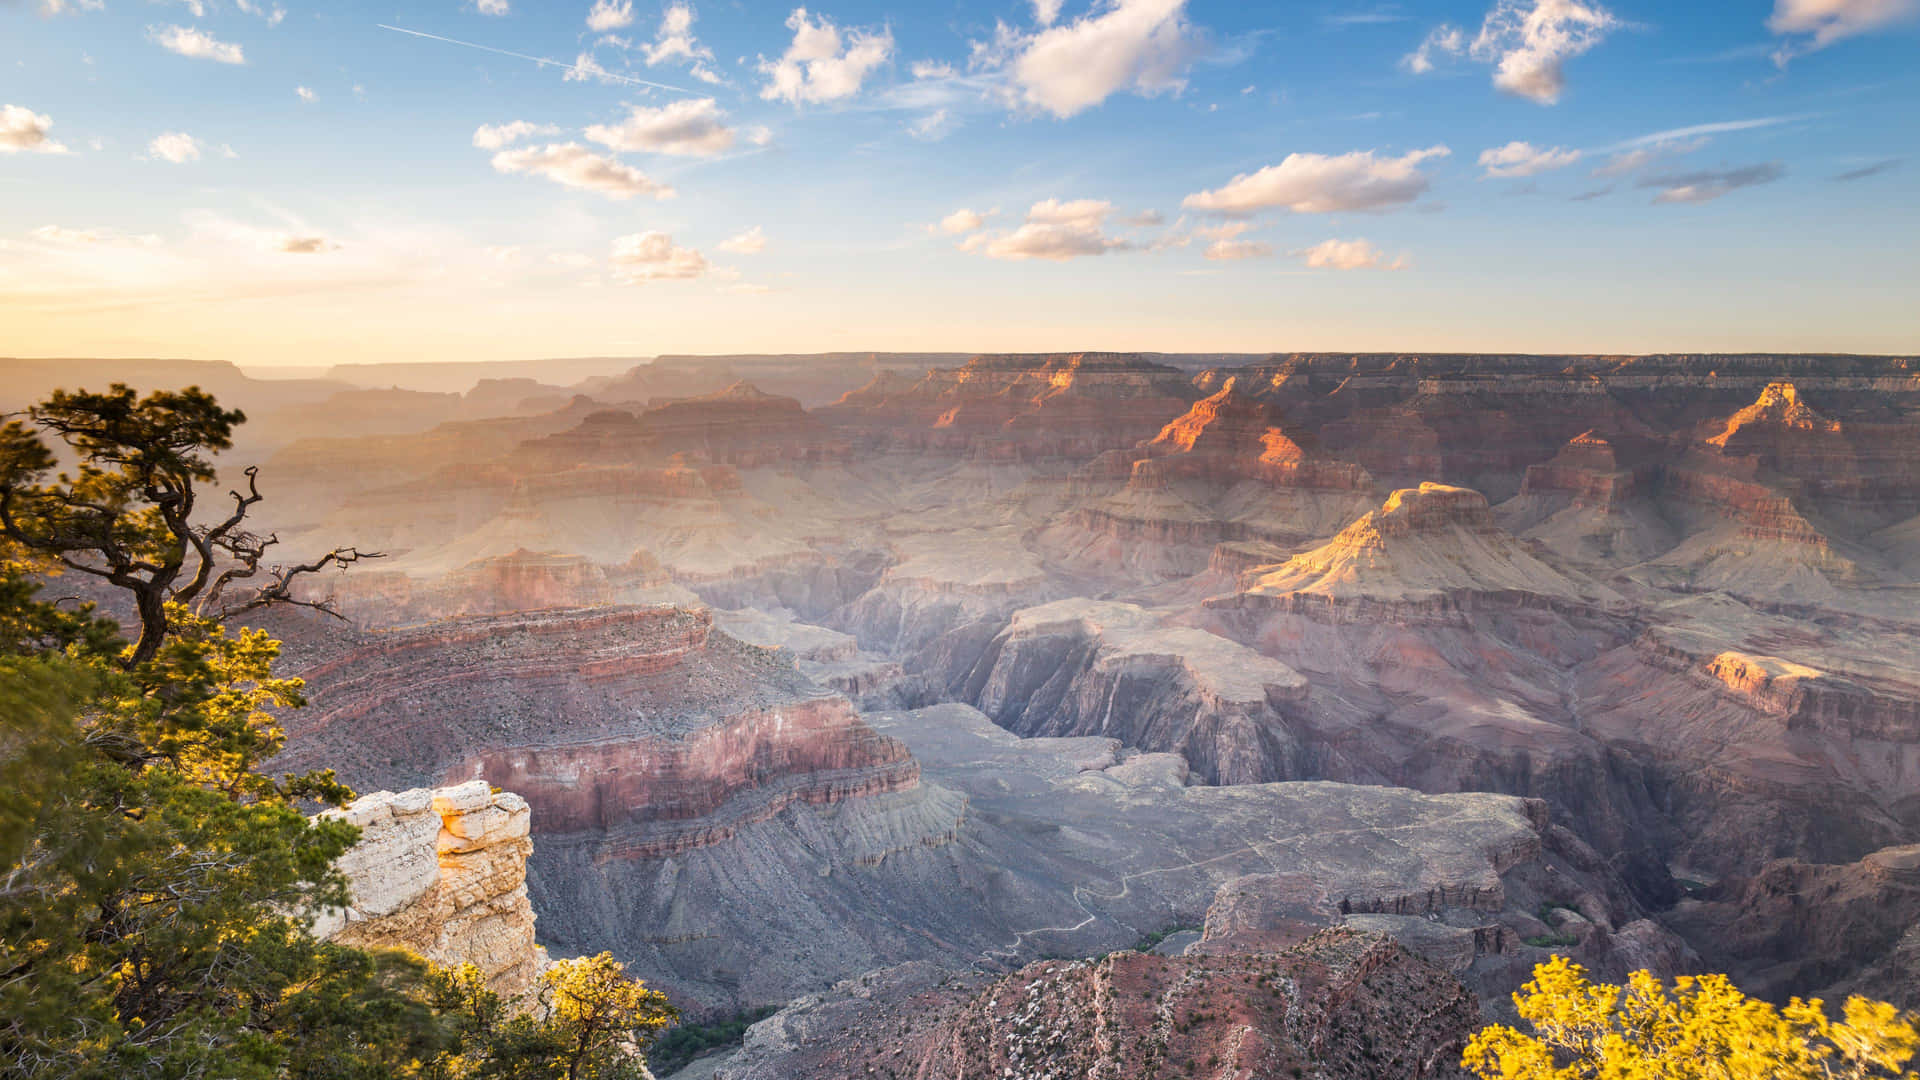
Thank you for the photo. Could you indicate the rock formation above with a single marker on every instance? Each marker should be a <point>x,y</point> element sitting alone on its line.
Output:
<point>1021,407</point>
<point>1664,602</point>
<point>1342,1005</point>
<point>1427,548</point>
<point>1815,930</point>
<point>1083,667</point>
<point>442,873</point>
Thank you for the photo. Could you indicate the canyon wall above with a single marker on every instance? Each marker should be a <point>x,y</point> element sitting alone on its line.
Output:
<point>1666,602</point>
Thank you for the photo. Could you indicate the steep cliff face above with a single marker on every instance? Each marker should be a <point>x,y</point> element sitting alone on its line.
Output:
<point>944,598</point>
<point>442,872</point>
<point>1021,407</point>
<point>1226,470</point>
<point>1083,667</point>
<point>1806,929</point>
<point>1592,501</point>
<point>1428,549</point>
<point>638,736</point>
<point>1686,627</point>
<point>740,426</point>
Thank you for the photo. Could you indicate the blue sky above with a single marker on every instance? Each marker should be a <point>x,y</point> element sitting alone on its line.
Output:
<point>292,183</point>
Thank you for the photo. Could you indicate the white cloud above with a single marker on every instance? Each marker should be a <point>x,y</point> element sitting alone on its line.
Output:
<point>1627,161</point>
<point>294,244</point>
<point>933,69</point>
<point>674,40</point>
<point>934,126</point>
<point>1528,42</point>
<point>690,127</point>
<point>751,242</point>
<point>1078,212</point>
<point>960,221</point>
<point>652,256</point>
<point>1673,135</point>
<point>490,7</point>
<point>608,15</point>
<point>1053,230</point>
<point>1046,11</point>
<point>1139,45</point>
<point>1705,186</point>
<point>50,8</point>
<point>175,146</point>
<point>572,260</point>
<point>1820,23</point>
<point>1349,255</point>
<point>215,259</point>
<point>1444,38</point>
<point>575,166</point>
<point>586,67</point>
<point>22,129</point>
<point>1238,249</point>
<point>273,15</point>
<point>56,234</point>
<point>504,254</point>
<point>822,64</point>
<point>1640,151</point>
<point>306,94</point>
<point>1226,243</point>
<point>1322,184</point>
<point>1523,159</point>
<point>190,41</point>
<point>495,136</point>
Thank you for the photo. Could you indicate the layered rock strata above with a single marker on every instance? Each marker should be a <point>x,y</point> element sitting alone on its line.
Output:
<point>1020,407</point>
<point>1806,929</point>
<point>1427,550</point>
<point>443,873</point>
<point>1083,667</point>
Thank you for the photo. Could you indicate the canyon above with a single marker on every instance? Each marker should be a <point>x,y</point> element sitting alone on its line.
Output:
<point>906,695</point>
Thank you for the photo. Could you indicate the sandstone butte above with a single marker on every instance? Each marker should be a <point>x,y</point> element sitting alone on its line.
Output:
<point>893,698</point>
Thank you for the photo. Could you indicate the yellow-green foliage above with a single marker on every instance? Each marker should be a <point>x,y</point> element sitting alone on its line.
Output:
<point>1700,1028</point>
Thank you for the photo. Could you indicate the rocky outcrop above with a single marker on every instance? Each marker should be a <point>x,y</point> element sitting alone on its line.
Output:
<point>442,873</point>
<point>1230,436</point>
<point>1591,502</point>
<point>1083,667</point>
<point>642,739</point>
<point>1806,929</point>
<point>814,379</point>
<point>1021,407</point>
<point>1430,549</point>
<point>1669,597</point>
<point>738,426</point>
<point>944,598</point>
<point>1341,1004</point>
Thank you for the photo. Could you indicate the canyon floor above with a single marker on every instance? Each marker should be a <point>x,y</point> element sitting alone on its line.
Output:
<point>909,701</point>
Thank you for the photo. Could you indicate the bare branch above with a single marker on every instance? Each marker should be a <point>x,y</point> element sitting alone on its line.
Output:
<point>205,541</point>
<point>278,589</point>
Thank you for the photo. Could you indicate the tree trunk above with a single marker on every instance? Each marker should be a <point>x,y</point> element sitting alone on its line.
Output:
<point>151,601</point>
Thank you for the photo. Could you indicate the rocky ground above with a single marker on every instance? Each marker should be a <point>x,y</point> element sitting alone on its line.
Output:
<point>1232,626</point>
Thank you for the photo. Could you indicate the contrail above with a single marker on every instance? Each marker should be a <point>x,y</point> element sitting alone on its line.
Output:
<point>541,60</point>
